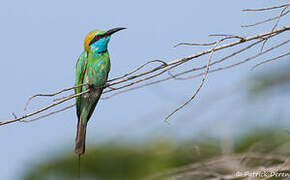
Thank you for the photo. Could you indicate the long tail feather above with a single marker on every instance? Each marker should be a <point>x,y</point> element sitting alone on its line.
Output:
<point>81,138</point>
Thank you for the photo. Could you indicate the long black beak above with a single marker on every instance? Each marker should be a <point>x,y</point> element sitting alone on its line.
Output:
<point>112,31</point>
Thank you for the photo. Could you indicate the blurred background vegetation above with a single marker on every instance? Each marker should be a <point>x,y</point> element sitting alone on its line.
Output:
<point>184,159</point>
<point>135,161</point>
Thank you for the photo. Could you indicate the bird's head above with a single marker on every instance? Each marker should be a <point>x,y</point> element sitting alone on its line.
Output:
<point>98,39</point>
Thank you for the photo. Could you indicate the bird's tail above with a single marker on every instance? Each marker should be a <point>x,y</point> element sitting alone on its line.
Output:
<point>81,138</point>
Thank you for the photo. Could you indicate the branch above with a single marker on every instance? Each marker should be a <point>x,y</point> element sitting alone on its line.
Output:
<point>269,60</point>
<point>133,78</point>
<point>137,69</point>
<point>48,114</point>
<point>200,86</point>
<point>52,94</point>
<point>267,20</point>
<point>276,24</point>
<point>43,109</point>
<point>176,76</point>
<point>243,61</point>
<point>212,168</point>
<point>269,8</point>
<point>186,59</point>
<point>226,36</point>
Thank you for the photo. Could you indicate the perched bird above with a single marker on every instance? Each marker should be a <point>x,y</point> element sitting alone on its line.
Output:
<point>92,68</point>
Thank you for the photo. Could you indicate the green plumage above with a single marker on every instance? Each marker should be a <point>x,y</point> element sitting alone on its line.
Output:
<point>92,68</point>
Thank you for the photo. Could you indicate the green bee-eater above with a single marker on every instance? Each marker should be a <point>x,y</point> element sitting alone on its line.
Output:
<point>92,68</point>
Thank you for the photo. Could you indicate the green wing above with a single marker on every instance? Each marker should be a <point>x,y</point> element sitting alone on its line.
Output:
<point>80,71</point>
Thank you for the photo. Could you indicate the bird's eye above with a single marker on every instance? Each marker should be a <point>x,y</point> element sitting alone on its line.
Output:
<point>96,38</point>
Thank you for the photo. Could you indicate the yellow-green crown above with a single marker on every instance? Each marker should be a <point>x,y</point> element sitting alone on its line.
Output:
<point>90,36</point>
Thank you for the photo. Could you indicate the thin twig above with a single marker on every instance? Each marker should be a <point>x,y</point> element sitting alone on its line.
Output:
<point>269,8</point>
<point>279,17</point>
<point>195,44</point>
<point>200,167</point>
<point>264,21</point>
<point>269,60</point>
<point>218,161</point>
<point>176,76</point>
<point>188,71</point>
<point>52,94</point>
<point>274,27</point>
<point>198,89</point>
<point>226,36</point>
<point>243,61</point>
<point>202,67</point>
<point>173,76</point>
<point>43,109</point>
<point>164,68</point>
<point>137,69</point>
<point>183,60</point>
<point>49,114</point>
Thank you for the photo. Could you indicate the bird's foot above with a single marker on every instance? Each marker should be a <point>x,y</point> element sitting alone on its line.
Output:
<point>91,85</point>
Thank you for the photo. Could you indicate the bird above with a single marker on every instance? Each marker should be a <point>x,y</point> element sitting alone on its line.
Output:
<point>92,69</point>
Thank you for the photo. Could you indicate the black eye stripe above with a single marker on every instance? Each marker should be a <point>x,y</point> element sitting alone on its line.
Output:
<point>96,38</point>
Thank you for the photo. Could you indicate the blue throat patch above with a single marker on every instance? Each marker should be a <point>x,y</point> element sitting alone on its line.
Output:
<point>101,45</point>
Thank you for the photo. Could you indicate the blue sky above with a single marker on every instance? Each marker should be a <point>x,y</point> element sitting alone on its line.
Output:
<point>41,41</point>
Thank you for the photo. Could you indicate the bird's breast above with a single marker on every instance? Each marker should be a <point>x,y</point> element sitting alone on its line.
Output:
<point>97,70</point>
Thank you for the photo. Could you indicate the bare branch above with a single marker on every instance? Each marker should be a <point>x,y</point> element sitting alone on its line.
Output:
<point>243,61</point>
<point>43,109</point>
<point>156,71</point>
<point>279,17</point>
<point>137,69</point>
<point>49,114</point>
<point>195,44</point>
<point>269,60</point>
<point>267,20</point>
<point>212,167</point>
<point>198,89</point>
<point>183,60</point>
<point>176,76</point>
<point>52,94</point>
<point>226,36</point>
<point>274,27</point>
<point>269,8</point>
